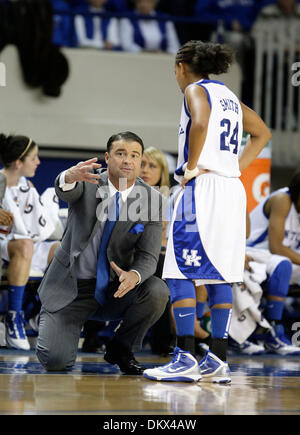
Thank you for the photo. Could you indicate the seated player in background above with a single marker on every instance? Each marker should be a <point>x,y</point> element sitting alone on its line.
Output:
<point>30,224</point>
<point>275,240</point>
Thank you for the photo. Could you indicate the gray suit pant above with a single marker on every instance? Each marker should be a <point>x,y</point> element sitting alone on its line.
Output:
<point>59,332</point>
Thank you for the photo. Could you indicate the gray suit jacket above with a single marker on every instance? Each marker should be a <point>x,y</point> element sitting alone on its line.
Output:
<point>129,250</point>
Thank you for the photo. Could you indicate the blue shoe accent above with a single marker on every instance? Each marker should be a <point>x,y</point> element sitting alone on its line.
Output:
<point>182,368</point>
<point>15,331</point>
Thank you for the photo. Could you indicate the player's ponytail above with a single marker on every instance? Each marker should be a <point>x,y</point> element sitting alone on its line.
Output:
<point>205,58</point>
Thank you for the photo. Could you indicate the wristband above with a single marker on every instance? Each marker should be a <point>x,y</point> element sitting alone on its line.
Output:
<point>191,173</point>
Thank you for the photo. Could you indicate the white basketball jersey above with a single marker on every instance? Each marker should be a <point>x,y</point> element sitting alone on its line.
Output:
<point>259,223</point>
<point>224,134</point>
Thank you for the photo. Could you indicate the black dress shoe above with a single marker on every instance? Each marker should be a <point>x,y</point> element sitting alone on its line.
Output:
<point>91,345</point>
<point>124,359</point>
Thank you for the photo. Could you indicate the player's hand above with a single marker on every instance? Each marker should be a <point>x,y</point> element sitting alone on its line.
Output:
<point>128,280</point>
<point>82,172</point>
<point>186,180</point>
<point>247,261</point>
<point>6,218</point>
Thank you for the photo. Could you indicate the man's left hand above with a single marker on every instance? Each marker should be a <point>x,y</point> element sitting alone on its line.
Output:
<point>128,280</point>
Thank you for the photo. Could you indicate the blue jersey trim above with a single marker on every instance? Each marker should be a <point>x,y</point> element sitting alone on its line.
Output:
<point>186,145</point>
<point>179,170</point>
<point>185,108</point>
<point>212,81</point>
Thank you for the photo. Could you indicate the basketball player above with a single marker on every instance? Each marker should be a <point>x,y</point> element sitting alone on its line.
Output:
<point>275,240</point>
<point>207,233</point>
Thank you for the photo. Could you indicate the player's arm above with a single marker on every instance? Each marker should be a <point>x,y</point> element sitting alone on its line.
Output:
<point>279,207</point>
<point>248,225</point>
<point>200,112</point>
<point>199,109</point>
<point>260,134</point>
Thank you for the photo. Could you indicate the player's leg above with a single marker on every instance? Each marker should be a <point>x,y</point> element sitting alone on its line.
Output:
<point>277,287</point>
<point>184,366</point>
<point>213,366</point>
<point>202,337</point>
<point>183,299</point>
<point>20,254</point>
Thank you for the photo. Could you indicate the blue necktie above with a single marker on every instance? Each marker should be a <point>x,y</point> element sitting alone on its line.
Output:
<point>103,266</point>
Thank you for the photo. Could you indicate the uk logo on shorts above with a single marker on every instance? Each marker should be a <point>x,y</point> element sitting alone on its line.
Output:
<point>191,259</point>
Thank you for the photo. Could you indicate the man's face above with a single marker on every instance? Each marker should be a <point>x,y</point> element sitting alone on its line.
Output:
<point>124,161</point>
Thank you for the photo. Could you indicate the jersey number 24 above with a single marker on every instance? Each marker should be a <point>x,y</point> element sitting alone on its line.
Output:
<point>228,137</point>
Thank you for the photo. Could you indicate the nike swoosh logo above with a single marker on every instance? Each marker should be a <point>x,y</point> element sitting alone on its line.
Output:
<point>184,315</point>
<point>10,331</point>
<point>205,370</point>
<point>175,370</point>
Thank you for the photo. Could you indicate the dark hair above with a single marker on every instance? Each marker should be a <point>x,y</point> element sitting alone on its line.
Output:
<point>205,58</point>
<point>13,148</point>
<point>125,135</point>
<point>294,186</point>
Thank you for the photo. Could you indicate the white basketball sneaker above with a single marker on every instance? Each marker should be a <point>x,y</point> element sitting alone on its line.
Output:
<point>183,368</point>
<point>15,332</point>
<point>214,370</point>
<point>278,343</point>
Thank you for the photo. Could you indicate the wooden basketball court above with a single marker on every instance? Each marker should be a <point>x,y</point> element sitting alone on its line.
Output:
<point>260,385</point>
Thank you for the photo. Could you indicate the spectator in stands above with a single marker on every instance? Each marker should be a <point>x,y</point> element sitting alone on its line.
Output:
<point>288,8</point>
<point>232,22</point>
<point>62,24</point>
<point>155,172</point>
<point>186,30</point>
<point>149,35</point>
<point>275,240</point>
<point>23,245</point>
<point>95,31</point>
<point>237,15</point>
<point>117,5</point>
